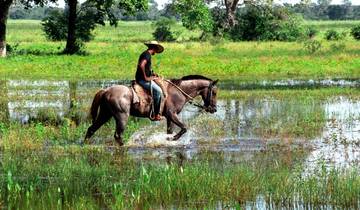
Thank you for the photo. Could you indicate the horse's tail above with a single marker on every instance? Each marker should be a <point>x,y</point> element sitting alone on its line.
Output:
<point>96,103</point>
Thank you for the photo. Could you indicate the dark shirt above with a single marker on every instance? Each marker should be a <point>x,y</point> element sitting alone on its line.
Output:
<point>139,74</point>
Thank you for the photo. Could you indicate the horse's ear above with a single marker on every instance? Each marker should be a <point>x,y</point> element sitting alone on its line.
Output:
<point>215,82</point>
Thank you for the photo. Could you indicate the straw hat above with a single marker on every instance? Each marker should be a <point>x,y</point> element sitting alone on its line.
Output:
<point>155,45</point>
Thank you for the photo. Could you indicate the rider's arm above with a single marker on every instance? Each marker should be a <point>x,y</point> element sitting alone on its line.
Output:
<point>142,67</point>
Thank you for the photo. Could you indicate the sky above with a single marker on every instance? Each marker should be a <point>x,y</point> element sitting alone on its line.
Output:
<point>161,3</point>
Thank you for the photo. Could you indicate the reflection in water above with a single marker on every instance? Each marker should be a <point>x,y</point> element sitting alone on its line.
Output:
<point>339,144</point>
<point>26,99</point>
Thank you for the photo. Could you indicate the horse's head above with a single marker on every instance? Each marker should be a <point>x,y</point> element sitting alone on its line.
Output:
<point>209,97</point>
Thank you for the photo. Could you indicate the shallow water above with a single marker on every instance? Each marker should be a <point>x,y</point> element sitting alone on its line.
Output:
<point>255,129</point>
<point>240,126</point>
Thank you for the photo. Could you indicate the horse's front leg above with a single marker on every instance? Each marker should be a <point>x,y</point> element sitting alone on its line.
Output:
<point>170,125</point>
<point>174,118</point>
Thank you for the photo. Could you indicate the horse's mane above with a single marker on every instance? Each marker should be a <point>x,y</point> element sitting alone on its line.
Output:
<point>189,77</point>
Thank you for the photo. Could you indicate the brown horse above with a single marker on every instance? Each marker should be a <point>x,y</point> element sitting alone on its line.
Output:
<point>117,102</point>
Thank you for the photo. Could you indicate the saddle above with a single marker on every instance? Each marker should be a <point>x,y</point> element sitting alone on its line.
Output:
<point>142,98</point>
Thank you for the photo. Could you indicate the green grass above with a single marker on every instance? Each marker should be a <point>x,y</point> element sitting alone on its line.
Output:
<point>74,178</point>
<point>332,24</point>
<point>114,53</point>
<point>43,166</point>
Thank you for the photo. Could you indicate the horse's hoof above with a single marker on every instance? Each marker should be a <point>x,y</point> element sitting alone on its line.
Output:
<point>175,138</point>
<point>120,143</point>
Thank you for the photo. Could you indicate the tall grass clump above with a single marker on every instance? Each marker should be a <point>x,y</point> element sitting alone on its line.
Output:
<point>332,35</point>
<point>73,177</point>
<point>355,32</point>
<point>312,46</point>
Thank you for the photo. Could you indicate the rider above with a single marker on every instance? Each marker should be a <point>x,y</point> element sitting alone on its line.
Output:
<point>145,75</point>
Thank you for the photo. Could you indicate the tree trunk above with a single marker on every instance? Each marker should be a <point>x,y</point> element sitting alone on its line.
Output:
<point>71,46</point>
<point>4,10</point>
<point>231,6</point>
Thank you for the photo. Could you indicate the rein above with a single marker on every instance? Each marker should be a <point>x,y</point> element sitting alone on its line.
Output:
<point>191,101</point>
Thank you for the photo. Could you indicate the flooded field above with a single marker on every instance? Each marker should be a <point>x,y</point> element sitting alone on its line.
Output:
<point>296,145</point>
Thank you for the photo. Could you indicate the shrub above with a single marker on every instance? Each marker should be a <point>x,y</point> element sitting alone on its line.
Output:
<point>12,49</point>
<point>289,29</point>
<point>337,46</point>
<point>270,23</point>
<point>355,32</point>
<point>163,30</point>
<point>310,32</point>
<point>331,35</point>
<point>312,46</point>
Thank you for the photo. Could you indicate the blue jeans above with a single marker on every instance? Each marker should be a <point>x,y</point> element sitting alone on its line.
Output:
<point>156,90</point>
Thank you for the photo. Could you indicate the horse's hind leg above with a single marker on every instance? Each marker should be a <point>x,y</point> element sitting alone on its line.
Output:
<point>102,118</point>
<point>121,121</point>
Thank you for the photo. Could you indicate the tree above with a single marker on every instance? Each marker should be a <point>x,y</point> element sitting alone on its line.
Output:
<point>17,13</point>
<point>322,8</point>
<point>266,23</point>
<point>194,14</point>
<point>231,6</point>
<point>4,11</point>
<point>104,10</point>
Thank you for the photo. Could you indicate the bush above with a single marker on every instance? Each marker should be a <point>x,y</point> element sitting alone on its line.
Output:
<point>312,46</point>
<point>332,35</point>
<point>310,32</point>
<point>336,47</point>
<point>355,32</point>
<point>163,30</point>
<point>270,23</point>
<point>12,49</point>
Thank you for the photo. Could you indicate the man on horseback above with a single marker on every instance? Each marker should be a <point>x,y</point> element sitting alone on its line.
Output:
<point>145,75</point>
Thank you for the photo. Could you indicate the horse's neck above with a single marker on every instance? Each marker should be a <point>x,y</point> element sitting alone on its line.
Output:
<point>193,87</point>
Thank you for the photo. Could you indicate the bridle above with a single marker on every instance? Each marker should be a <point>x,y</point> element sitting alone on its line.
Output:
<point>207,101</point>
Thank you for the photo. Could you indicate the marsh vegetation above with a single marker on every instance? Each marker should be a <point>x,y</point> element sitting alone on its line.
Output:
<point>286,133</point>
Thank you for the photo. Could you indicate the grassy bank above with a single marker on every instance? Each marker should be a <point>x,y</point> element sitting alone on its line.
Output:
<point>114,53</point>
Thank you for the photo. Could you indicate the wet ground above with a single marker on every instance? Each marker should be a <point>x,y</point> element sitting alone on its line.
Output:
<point>240,128</point>
<point>324,130</point>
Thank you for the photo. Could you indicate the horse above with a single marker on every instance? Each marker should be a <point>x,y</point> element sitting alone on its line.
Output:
<point>117,101</point>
